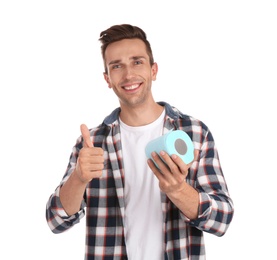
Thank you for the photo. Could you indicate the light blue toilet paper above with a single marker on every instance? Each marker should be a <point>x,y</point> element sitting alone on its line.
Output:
<point>174,142</point>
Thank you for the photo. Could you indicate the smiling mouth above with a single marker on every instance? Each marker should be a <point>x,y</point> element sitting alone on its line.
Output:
<point>131,87</point>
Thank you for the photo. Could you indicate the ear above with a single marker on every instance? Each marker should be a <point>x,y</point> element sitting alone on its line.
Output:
<point>154,71</point>
<point>107,79</point>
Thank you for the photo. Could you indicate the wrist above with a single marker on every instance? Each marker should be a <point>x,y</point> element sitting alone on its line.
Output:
<point>78,179</point>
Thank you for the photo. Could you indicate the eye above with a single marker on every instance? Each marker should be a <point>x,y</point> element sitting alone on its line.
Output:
<point>138,62</point>
<point>116,66</point>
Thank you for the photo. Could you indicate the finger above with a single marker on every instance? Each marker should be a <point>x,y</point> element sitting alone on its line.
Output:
<point>161,162</point>
<point>155,169</point>
<point>86,136</point>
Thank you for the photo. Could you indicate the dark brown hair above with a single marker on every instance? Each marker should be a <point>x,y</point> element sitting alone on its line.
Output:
<point>124,31</point>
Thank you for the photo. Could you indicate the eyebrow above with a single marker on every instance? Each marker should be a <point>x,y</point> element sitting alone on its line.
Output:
<point>132,58</point>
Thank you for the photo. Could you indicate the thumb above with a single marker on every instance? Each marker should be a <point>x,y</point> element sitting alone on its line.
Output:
<point>86,136</point>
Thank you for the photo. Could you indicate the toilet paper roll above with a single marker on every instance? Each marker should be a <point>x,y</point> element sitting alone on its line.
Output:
<point>174,142</point>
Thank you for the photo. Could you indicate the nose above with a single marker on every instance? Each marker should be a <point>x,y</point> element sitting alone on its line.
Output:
<point>129,72</point>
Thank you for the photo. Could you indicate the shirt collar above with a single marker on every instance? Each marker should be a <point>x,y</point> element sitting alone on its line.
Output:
<point>170,111</point>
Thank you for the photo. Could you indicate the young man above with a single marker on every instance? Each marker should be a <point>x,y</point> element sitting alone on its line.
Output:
<point>138,208</point>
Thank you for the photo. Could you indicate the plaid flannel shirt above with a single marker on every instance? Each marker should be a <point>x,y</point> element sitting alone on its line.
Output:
<point>103,202</point>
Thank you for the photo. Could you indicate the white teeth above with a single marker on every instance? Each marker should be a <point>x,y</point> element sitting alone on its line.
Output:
<point>132,87</point>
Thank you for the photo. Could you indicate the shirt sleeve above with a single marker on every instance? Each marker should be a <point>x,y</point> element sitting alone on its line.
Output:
<point>56,217</point>
<point>215,204</point>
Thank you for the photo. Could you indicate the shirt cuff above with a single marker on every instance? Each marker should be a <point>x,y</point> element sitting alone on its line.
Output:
<point>60,210</point>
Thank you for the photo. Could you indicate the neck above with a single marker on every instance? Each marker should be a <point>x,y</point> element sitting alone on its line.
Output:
<point>139,116</point>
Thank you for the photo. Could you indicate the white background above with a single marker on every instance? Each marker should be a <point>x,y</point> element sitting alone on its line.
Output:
<point>217,62</point>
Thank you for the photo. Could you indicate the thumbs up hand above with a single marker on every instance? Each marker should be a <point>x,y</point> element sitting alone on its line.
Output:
<point>90,162</point>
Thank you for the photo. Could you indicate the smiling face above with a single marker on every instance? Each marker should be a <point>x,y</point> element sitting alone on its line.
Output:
<point>129,72</point>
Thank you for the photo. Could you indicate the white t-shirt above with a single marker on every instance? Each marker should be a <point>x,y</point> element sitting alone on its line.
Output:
<point>143,225</point>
